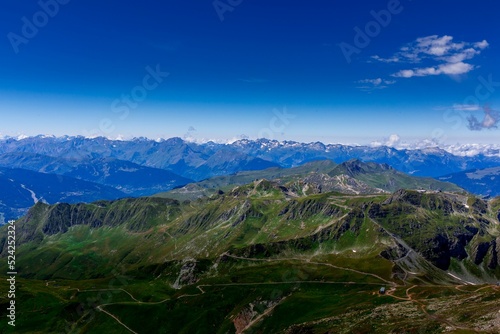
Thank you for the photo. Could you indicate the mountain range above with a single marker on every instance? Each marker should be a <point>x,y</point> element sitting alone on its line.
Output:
<point>143,167</point>
<point>200,161</point>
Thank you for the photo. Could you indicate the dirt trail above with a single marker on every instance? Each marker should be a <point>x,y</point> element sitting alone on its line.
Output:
<point>101,309</point>
<point>114,317</point>
<point>421,305</point>
<point>479,289</point>
<point>316,263</point>
<point>261,316</point>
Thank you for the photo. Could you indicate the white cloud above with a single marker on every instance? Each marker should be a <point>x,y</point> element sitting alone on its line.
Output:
<point>462,55</point>
<point>455,68</point>
<point>375,82</point>
<point>448,56</point>
<point>448,69</point>
<point>435,45</point>
<point>386,60</point>
<point>466,107</point>
<point>490,150</point>
<point>394,140</point>
<point>404,74</point>
<point>422,72</point>
<point>482,45</point>
<point>372,84</point>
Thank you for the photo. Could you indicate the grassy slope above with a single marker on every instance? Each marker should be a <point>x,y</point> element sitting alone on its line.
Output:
<point>373,176</point>
<point>226,183</point>
<point>389,179</point>
<point>312,307</point>
<point>314,259</point>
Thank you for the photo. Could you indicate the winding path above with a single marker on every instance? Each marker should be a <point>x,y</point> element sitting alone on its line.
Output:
<point>316,263</point>
<point>389,293</point>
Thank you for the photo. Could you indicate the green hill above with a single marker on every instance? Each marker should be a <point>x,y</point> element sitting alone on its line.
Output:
<point>259,258</point>
<point>351,177</point>
<point>385,177</point>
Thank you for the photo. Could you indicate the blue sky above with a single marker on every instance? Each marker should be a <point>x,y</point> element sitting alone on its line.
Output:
<point>287,70</point>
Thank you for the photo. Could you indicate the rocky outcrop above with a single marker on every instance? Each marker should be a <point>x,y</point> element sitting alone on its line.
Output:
<point>494,255</point>
<point>186,274</point>
<point>430,201</point>
<point>479,205</point>
<point>252,313</point>
<point>394,253</point>
<point>352,223</point>
<point>480,251</point>
<point>137,215</point>
<point>243,319</point>
<point>219,212</point>
<point>437,225</point>
<point>486,252</point>
<point>304,209</point>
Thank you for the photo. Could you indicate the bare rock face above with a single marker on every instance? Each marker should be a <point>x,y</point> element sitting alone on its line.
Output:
<point>480,205</point>
<point>307,209</point>
<point>402,195</point>
<point>480,251</point>
<point>253,312</point>
<point>441,236</point>
<point>493,263</point>
<point>243,319</point>
<point>187,274</point>
<point>486,252</point>
<point>394,253</point>
<point>135,213</point>
<point>429,201</point>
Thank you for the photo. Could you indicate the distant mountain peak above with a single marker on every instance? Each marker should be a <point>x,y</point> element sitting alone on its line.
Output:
<point>432,148</point>
<point>197,160</point>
